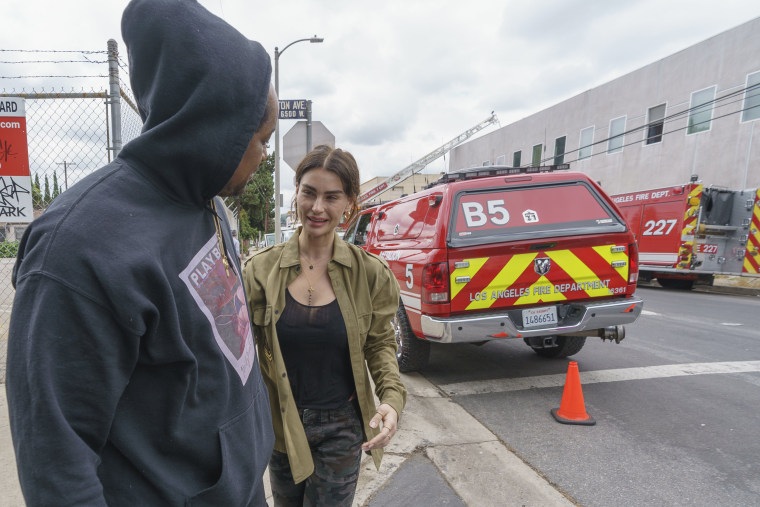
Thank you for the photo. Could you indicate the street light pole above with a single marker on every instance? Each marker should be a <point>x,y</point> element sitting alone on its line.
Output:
<point>277,212</point>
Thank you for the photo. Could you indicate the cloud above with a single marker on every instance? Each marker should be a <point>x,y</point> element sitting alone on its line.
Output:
<point>395,80</point>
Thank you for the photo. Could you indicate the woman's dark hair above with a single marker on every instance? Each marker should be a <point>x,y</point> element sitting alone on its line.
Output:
<point>337,161</point>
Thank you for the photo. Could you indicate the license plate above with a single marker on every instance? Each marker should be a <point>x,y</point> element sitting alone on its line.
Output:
<point>534,317</point>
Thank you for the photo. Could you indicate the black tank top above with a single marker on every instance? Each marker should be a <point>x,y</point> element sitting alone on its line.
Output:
<point>314,345</point>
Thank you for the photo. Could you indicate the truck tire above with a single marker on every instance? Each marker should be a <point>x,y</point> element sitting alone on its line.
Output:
<point>676,283</point>
<point>412,354</point>
<point>566,346</point>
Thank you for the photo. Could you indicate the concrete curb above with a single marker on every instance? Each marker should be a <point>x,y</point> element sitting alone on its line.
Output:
<point>727,289</point>
<point>718,288</point>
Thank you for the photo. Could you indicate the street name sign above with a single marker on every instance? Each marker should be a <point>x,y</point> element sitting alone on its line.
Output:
<point>293,109</point>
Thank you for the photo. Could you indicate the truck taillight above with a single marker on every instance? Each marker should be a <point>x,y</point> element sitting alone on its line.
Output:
<point>633,263</point>
<point>435,283</point>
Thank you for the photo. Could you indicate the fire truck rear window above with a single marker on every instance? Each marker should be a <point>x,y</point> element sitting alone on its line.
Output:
<point>534,212</point>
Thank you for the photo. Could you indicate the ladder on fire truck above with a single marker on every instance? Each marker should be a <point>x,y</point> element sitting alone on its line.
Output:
<point>424,161</point>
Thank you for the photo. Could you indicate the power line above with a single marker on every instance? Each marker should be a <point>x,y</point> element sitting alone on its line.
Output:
<point>50,51</point>
<point>55,61</point>
<point>717,102</point>
<point>34,77</point>
<point>604,152</point>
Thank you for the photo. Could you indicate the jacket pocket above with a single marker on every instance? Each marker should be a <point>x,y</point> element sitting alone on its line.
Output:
<point>262,319</point>
<point>246,442</point>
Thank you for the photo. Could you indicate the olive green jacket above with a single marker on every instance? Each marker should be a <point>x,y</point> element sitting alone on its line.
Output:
<point>368,297</point>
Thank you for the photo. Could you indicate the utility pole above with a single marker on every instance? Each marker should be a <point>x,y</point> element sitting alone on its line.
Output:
<point>66,165</point>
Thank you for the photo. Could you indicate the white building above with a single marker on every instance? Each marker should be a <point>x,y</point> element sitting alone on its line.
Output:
<point>692,113</point>
<point>413,184</point>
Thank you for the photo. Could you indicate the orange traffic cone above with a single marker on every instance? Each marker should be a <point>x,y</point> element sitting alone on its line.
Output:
<point>572,409</point>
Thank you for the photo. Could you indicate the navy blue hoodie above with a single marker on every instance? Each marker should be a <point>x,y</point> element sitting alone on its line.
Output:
<point>132,375</point>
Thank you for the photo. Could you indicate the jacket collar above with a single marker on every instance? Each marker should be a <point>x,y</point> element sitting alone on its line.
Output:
<point>341,251</point>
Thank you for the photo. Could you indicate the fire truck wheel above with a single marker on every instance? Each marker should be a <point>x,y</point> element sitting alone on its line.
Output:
<point>676,283</point>
<point>412,353</point>
<point>566,346</point>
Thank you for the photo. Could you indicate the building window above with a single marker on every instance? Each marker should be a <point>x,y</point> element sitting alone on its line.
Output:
<point>655,123</point>
<point>617,135</point>
<point>559,150</point>
<point>751,106</point>
<point>700,110</point>
<point>536,160</point>
<point>516,159</point>
<point>587,139</point>
<point>501,160</point>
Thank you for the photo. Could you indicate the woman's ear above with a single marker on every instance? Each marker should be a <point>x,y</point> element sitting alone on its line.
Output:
<point>349,209</point>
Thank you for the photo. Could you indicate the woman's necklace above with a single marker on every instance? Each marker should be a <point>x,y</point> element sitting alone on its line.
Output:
<point>311,287</point>
<point>306,261</point>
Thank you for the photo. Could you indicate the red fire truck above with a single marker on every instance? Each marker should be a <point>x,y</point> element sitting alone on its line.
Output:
<point>689,233</point>
<point>498,253</point>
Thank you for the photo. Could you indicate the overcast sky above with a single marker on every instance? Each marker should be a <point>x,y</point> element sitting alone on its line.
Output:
<point>395,79</point>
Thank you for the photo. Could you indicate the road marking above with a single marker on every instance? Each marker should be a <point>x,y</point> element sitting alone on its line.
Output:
<point>595,377</point>
<point>647,312</point>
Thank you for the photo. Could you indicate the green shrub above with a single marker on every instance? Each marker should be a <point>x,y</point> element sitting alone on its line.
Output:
<point>8,249</point>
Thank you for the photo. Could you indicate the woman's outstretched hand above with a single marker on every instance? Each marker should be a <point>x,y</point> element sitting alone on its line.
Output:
<point>387,419</point>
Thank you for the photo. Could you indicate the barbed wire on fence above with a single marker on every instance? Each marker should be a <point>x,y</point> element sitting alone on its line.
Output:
<point>69,133</point>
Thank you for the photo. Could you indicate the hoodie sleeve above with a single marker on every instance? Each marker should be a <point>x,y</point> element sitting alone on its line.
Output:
<point>68,363</point>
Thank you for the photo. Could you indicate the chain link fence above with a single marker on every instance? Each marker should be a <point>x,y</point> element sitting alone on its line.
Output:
<point>69,135</point>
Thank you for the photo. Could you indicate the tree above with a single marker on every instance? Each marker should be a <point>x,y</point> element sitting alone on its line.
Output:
<point>37,201</point>
<point>258,199</point>
<point>46,198</point>
<point>246,231</point>
<point>56,189</point>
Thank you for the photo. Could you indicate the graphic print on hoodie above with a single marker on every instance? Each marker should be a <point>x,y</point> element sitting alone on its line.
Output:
<point>221,298</point>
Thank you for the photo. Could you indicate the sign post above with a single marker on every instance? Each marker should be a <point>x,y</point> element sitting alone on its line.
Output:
<point>15,181</point>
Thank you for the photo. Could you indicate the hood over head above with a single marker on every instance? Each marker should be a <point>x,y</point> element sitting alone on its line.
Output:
<point>201,89</point>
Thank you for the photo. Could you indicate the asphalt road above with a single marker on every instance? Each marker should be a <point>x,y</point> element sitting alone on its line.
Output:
<point>676,404</point>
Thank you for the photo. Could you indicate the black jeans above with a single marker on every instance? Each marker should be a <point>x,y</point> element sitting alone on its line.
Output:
<point>335,437</point>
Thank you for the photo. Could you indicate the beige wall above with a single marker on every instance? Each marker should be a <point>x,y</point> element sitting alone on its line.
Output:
<point>414,183</point>
<point>726,155</point>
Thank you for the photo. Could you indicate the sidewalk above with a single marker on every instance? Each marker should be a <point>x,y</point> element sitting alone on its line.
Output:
<point>10,491</point>
<point>441,455</point>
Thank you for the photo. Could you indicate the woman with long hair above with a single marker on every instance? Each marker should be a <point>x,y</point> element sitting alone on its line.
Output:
<point>322,311</point>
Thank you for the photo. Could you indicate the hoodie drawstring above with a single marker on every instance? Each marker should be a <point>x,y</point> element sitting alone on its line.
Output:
<point>220,239</point>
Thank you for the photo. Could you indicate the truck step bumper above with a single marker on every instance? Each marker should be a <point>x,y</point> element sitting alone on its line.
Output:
<point>508,324</point>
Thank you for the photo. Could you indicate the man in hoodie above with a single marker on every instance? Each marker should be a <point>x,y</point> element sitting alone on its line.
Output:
<point>132,374</point>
